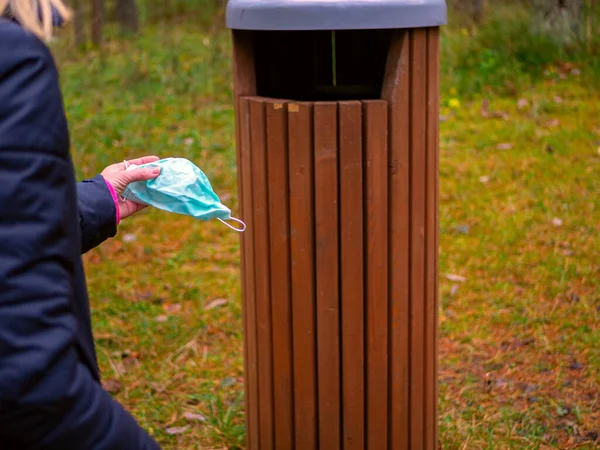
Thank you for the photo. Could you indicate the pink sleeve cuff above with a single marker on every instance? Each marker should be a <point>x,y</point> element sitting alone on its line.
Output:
<point>113,194</point>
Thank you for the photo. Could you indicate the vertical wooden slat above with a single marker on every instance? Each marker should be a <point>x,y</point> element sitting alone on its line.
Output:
<point>280,273</point>
<point>261,270</point>
<point>244,85</point>
<point>301,170</point>
<point>431,310</point>
<point>396,91</point>
<point>250,339</point>
<point>327,278</point>
<point>376,169</point>
<point>437,245</point>
<point>352,284</point>
<point>418,116</point>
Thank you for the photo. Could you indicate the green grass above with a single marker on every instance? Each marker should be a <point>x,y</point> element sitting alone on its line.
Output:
<point>519,344</point>
<point>504,56</point>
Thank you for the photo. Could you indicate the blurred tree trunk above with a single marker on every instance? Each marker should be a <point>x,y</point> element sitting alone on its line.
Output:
<point>98,16</point>
<point>473,9</point>
<point>79,23</point>
<point>127,15</point>
<point>561,18</point>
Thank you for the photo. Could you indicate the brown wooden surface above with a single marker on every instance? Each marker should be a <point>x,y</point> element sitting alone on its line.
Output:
<point>418,116</point>
<point>244,85</point>
<point>396,91</point>
<point>431,231</point>
<point>262,271</point>
<point>249,303</point>
<point>327,278</point>
<point>301,172</point>
<point>376,223</point>
<point>352,275</point>
<point>437,241</point>
<point>281,306</point>
<point>340,260</point>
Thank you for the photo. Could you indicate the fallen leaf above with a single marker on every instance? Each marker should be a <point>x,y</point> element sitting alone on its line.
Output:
<point>172,308</point>
<point>131,361</point>
<point>501,382</point>
<point>504,146</point>
<point>557,222</point>
<point>527,388</point>
<point>194,416</point>
<point>563,411</point>
<point>522,103</point>
<point>129,238</point>
<point>592,436</point>
<point>484,179</point>
<point>161,318</point>
<point>500,115</point>
<point>493,367</point>
<point>111,385</point>
<point>454,290</point>
<point>576,366</point>
<point>215,303</point>
<point>177,430</point>
<point>456,278</point>
<point>524,342</point>
<point>463,229</point>
<point>484,108</point>
<point>229,381</point>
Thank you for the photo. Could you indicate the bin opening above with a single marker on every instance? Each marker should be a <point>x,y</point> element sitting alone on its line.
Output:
<point>320,65</point>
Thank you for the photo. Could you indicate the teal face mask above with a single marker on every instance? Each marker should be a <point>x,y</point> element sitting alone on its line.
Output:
<point>180,188</point>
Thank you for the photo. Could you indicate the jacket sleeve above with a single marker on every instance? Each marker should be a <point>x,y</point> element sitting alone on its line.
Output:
<point>97,212</point>
<point>48,398</point>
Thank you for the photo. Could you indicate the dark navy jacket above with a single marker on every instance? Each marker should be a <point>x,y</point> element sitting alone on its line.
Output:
<point>50,393</point>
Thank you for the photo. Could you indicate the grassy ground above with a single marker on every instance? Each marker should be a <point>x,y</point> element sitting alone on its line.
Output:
<point>520,221</point>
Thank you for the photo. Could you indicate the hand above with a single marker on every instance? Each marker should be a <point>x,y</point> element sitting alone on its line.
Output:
<point>119,178</point>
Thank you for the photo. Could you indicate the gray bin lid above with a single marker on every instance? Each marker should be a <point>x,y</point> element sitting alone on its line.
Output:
<point>276,15</point>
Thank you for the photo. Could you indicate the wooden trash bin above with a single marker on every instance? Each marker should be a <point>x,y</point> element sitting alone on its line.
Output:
<point>337,144</point>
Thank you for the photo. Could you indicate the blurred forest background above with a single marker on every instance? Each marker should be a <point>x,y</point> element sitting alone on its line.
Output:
<point>519,219</point>
<point>510,42</point>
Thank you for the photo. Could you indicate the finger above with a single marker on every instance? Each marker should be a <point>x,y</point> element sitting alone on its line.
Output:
<point>143,160</point>
<point>129,208</point>
<point>142,174</point>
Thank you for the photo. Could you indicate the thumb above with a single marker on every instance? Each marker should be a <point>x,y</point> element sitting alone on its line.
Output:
<point>141,174</point>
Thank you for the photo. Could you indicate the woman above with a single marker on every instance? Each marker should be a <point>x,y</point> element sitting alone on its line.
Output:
<point>50,392</point>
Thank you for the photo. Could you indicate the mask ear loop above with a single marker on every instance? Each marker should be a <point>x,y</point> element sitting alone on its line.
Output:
<point>239,230</point>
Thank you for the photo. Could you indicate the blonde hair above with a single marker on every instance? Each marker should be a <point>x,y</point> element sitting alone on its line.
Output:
<point>35,15</point>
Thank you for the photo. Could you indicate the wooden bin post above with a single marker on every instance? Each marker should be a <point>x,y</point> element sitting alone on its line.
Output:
<point>337,108</point>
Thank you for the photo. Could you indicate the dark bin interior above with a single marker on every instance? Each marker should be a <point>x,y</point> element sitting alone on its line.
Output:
<point>320,65</point>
